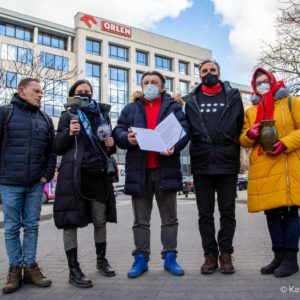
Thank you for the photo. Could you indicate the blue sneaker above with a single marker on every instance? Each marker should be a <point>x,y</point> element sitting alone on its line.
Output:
<point>171,264</point>
<point>140,265</point>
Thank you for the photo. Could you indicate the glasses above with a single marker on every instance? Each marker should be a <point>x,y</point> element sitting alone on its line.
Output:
<point>258,83</point>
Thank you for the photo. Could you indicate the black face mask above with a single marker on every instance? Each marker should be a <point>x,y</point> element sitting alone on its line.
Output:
<point>210,80</point>
<point>85,95</point>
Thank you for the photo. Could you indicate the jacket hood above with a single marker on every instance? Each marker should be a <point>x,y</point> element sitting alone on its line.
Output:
<point>175,97</point>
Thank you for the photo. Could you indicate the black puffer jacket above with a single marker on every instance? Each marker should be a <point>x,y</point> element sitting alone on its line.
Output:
<point>221,154</point>
<point>26,146</point>
<point>133,115</point>
<point>70,208</point>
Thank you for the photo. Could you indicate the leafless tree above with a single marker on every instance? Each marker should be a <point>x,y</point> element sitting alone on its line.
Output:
<point>283,56</point>
<point>34,65</point>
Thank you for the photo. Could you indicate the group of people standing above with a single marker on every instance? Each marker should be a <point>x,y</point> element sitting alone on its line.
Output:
<point>213,118</point>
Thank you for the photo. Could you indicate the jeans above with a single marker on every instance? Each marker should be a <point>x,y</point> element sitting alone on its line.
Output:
<point>142,207</point>
<point>21,208</point>
<point>205,187</point>
<point>283,225</point>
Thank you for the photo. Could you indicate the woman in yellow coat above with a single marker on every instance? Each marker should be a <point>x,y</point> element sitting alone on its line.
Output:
<point>274,178</point>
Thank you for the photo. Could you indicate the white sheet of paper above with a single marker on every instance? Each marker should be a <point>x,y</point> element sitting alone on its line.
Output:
<point>163,137</point>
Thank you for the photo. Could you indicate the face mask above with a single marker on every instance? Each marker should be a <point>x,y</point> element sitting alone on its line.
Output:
<point>263,88</point>
<point>151,92</point>
<point>84,95</point>
<point>210,79</point>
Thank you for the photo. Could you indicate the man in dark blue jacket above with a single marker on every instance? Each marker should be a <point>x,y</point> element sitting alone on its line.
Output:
<point>152,173</point>
<point>27,162</point>
<point>215,114</point>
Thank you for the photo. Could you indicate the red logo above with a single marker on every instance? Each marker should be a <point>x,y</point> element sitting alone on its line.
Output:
<point>87,19</point>
<point>116,28</point>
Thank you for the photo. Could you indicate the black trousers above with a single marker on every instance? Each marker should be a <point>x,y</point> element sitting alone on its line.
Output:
<point>225,186</point>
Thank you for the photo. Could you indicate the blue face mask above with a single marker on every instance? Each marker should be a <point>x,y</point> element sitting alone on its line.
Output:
<point>151,92</point>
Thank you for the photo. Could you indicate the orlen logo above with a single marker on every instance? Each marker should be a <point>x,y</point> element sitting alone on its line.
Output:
<point>87,19</point>
<point>115,28</point>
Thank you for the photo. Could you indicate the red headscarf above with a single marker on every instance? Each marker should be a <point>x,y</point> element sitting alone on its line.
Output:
<point>265,109</point>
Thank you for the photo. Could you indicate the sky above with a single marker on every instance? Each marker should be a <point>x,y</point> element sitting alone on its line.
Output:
<point>232,29</point>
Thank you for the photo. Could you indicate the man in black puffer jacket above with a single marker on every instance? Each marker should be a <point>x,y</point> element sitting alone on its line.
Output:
<point>215,114</point>
<point>152,173</point>
<point>27,162</point>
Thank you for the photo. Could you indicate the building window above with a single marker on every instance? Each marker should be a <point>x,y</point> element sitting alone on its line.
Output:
<point>53,61</point>
<point>118,91</point>
<point>11,80</point>
<point>118,52</point>
<point>14,53</point>
<point>142,58</point>
<point>93,74</point>
<point>139,76</point>
<point>183,87</point>
<point>55,94</point>
<point>93,47</point>
<point>52,40</point>
<point>183,68</point>
<point>196,71</point>
<point>163,63</point>
<point>169,84</point>
<point>16,32</point>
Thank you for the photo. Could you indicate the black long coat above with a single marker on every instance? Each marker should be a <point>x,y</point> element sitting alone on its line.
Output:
<point>70,209</point>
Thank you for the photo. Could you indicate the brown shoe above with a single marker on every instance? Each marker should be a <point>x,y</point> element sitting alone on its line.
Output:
<point>33,275</point>
<point>226,265</point>
<point>14,279</point>
<point>210,265</point>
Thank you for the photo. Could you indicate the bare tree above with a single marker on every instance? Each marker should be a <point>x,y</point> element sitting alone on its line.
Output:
<point>283,56</point>
<point>50,72</point>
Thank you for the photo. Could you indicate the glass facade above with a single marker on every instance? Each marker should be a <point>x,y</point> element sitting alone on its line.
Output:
<point>169,84</point>
<point>93,47</point>
<point>142,58</point>
<point>118,91</point>
<point>183,87</point>
<point>118,52</point>
<point>55,95</point>
<point>139,77</point>
<point>14,53</point>
<point>163,63</point>
<point>52,40</point>
<point>183,68</point>
<point>17,32</point>
<point>53,61</point>
<point>93,75</point>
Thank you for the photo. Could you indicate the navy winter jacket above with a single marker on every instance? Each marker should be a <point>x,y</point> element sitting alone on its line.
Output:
<point>26,152</point>
<point>133,115</point>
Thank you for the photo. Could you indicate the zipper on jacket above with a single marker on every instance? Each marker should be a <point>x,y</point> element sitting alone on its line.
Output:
<point>285,159</point>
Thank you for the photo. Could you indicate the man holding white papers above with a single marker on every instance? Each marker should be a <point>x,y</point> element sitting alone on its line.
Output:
<point>150,173</point>
<point>215,112</point>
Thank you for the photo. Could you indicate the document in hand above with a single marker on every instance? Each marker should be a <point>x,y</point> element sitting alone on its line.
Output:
<point>166,134</point>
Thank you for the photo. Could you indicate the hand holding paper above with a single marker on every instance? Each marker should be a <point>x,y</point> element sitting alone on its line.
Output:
<point>163,137</point>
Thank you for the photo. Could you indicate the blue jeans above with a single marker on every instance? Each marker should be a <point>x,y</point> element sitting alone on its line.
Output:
<point>21,208</point>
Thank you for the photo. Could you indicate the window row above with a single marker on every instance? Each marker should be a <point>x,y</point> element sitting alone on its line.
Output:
<point>51,40</point>
<point>142,58</point>
<point>17,32</point>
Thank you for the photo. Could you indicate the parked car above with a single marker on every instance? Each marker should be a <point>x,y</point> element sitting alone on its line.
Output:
<point>242,182</point>
<point>49,191</point>
<point>187,185</point>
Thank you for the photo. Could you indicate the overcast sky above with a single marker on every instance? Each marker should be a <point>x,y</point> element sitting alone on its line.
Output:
<point>232,29</point>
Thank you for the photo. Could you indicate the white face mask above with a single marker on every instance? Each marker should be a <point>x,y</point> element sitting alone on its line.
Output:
<point>151,92</point>
<point>263,88</point>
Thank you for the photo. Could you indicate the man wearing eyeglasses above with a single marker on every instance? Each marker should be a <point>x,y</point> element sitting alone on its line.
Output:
<point>215,113</point>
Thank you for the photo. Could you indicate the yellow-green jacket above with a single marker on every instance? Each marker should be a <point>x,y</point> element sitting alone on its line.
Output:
<point>275,181</point>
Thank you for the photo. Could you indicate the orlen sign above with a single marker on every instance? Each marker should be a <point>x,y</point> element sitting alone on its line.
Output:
<point>116,28</point>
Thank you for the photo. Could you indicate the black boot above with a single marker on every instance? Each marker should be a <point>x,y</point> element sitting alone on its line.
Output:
<point>102,264</point>
<point>76,277</point>
<point>289,264</point>
<point>274,264</point>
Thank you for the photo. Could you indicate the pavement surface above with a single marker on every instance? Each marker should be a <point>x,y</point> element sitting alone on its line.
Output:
<point>252,250</point>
